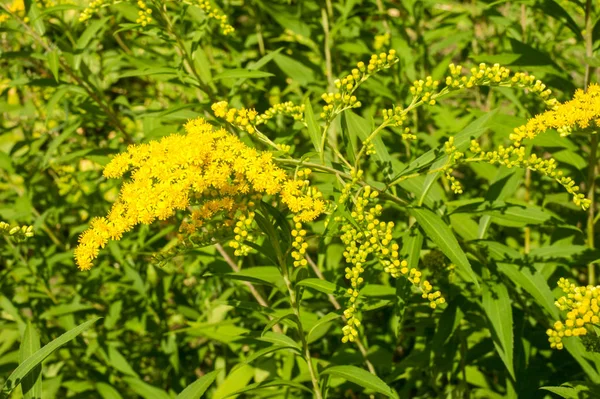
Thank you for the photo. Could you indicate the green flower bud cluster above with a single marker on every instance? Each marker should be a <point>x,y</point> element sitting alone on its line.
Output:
<point>299,244</point>
<point>347,190</point>
<point>512,156</point>
<point>214,13</point>
<point>242,230</point>
<point>454,157</point>
<point>425,90</point>
<point>515,157</point>
<point>344,98</point>
<point>19,233</point>
<point>396,114</point>
<point>287,108</point>
<point>291,36</point>
<point>497,75</point>
<point>143,14</point>
<point>93,8</point>
<point>371,236</point>
<point>396,117</point>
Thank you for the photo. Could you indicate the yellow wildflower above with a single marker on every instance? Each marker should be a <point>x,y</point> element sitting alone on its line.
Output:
<point>17,6</point>
<point>208,168</point>
<point>371,236</point>
<point>583,311</point>
<point>582,111</point>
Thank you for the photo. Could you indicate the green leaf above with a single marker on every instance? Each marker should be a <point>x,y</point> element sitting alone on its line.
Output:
<point>532,283</point>
<point>107,391</point>
<point>36,19</point>
<point>361,377</point>
<point>53,62</point>
<point>242,73</point>
<point>563,392</point>
<point>295,69</point>
<point>263,352</point>
<point>279,339</point>
<point>32,383</point>
<point>516,214</point>
<point>359,127</point>
<point>319,285</point>
<point>287,315</point>
<point>269,275</point>
<point>119,362</point>
<point>435,229</point>
<point>314,130</point>
<point>497,306</point>
<point>90,32</point>
<point>235,381</point>
<point>196,389</point>
<point>323,322</point>
<point>146,391</point>
<point>555,10</point>
<point>269,384</point>
<point>36,359</point>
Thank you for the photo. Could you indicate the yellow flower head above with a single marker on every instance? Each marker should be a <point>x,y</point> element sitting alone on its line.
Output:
<point>207,167</point>
<point>581,111</point>
<point>583,310</point>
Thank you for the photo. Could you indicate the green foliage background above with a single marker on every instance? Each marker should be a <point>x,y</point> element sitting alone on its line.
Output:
<point>72,94</point>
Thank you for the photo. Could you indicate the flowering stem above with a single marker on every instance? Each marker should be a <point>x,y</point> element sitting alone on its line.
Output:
<point>593,157</point>
<point>305,350</point>
<point>340,174</point>
<point>327,49</point>
<point>593,160</point>
<point>337,306</point>
<point>261,301</point>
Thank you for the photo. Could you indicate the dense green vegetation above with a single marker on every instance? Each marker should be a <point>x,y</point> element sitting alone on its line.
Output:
<point>383,198</point>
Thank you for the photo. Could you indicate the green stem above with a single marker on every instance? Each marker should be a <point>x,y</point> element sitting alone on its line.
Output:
<point>593,160</point>
<point>305,350</point>
<point>184,53</point>
<point>593,157</point>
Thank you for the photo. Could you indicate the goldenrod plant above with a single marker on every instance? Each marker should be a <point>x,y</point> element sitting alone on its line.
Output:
<point>312,199</point>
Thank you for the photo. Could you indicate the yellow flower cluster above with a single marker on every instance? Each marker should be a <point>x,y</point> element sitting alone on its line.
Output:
<point>582,111</point>
<point>424,89</point>
<point>242,233</point>
<point>371,236</point>
<point>207,167</point>
<point>454,157</point>
<point>242,118</point>
<point>249,120</point>
<point>344,99</point>
<point>143,14</point>
<point>17,232</point>
<point>512,156</point>
<point>287,108</point>
<point>17,7</point>
<point>381,41</point>
<point>214,13</point>
<point>93,8</point>
<point>298,232</point>
<point>583,309</point>
<point>497,75</point>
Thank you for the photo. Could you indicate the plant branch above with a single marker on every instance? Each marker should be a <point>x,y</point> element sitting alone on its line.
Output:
<point>261,301</point>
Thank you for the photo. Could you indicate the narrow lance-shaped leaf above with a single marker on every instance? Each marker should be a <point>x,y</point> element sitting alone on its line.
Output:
<point>497,306</point>
<point>196,389</point>
<point>361,377</point>
<point>439,232</point>
<point>37,357</point>
<point>314,131</point>
<point>32,383</point>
